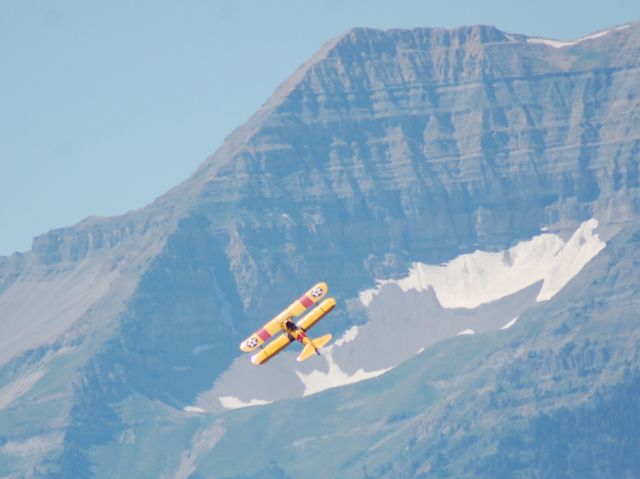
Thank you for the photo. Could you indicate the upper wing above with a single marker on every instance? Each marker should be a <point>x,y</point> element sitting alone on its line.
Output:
<point>296,308</point>
<point>317,314</point>
<point>271,349</point>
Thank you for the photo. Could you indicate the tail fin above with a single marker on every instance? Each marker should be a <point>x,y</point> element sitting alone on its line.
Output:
<point>313,346</point>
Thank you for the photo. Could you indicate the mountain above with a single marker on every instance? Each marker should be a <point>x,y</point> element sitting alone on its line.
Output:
<point>441,182</point>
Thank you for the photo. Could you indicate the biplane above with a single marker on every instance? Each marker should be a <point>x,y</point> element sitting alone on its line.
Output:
<point>291,331</point>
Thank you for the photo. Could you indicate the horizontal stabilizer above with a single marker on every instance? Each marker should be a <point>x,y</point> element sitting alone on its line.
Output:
<point>313,346</point>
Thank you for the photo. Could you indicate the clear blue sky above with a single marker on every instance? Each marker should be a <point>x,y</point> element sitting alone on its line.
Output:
<point>104,105</point>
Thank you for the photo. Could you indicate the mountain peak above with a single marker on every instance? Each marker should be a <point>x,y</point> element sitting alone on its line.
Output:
<point>367,72</point>
<point>464,34</point>
<point>364,39</point>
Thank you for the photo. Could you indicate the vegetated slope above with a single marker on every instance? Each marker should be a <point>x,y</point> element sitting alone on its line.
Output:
<point>384,149</point>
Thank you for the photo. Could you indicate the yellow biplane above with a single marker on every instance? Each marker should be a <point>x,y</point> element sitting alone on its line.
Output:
<point>290,331</point>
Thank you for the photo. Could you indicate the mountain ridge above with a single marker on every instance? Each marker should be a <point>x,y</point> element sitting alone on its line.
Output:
<point>44,242</point>
<point>378,156</point>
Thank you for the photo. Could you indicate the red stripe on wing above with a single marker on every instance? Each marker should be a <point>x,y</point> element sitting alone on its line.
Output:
<point>305,300</point>
<point>263,334</point>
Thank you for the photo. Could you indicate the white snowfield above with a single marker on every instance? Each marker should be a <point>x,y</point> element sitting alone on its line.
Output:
<point>483,277</point>
<point>467,281</point>
<point>317,381</point>
<point>230,402</point>
<point>348,336</point>
<point>466,332</point>
<point>562,44</point>
<point>510,323</point>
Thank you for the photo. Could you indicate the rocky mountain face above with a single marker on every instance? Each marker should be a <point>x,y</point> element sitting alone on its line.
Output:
<point>387,149</point>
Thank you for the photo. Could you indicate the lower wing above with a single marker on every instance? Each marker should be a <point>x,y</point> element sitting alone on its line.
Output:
<point>271,349</point>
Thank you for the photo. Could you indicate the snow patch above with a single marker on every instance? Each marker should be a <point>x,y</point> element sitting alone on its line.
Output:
<point>483,277</point>
<point>419,350</point>
<point>623,27</point>
<point>594,35</point>
<point>562,44</point>
<point>550,42</point>
<point>194,409</point>
<point>510,323</point>
<point>367,295</point>
<point>317,381</point>
<point>230,402</point>
<point>581,248</point>
<point>348,336</point>
<point>466,332</point>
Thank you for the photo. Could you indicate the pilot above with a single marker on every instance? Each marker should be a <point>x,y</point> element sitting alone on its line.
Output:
<point>289,325</point>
